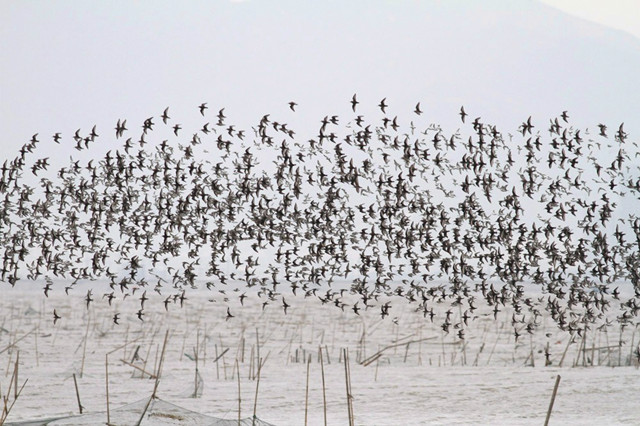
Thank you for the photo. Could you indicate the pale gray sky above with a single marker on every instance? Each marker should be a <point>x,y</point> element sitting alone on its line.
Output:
<point>72,64</point>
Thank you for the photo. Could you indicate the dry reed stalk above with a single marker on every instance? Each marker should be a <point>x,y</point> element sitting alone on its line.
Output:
<point>204,345</point>
<point>606,335</point>
<point>126,342</point>
<point>361,344</point>
<point>580,348</point>
<point>122,346</point>
<point>593,347</point>
<point>255,400</point>
<point>333,336</point>
<point>251,360</point>
<point>443,353</point>
<point>453,353</point>
<point>221,354</point>
<point>301,325</point>
<point>348,385</point>
<point>371,359</point>
<point>263,361</point>
<point>485,331</point>
<point>237,356</point>
<point>7,408</point>
<point>106,369</point>
<point>553,398</point>
<point>584,347</point>
<point>6,397</point>
<point>533,364</point>
<point>395,351</point>
<point>547,359</point>
<point>135,354</point>
<point>376,355</point>
<point>16,341</point>
<point>36,339</point>
<point>464,352</point>
<point>142,370</point>
<point>464,346</point>
<point>324,393</point>
<point>146,407</point>
<point>216,361</point>
<point>160,364</point>
<point>9,364</point>
<point>633,338</point>
<point>15,382</point>
<point>195,379</point>
<point>233,367</point>
<point>620,346</point>
<point>313,323</point>
<point>565,351</point>
<point>75,382</point>
<point>494,344</point>
<point>155,361</point>
<point>224,362</point>
<point>184,341</point>
<point>257,349</point>
<point>420,345</point>
<point>306,393</point>
<point>84,348</point>
<point>475,361</point>
<point>4,406</point>
<point>146,358</point>
<point>346,382</point>
<point>55,336</point>
<point>599,352</point>
<point>239,396</point>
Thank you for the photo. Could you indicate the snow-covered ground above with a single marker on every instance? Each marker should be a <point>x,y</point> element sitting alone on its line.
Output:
<point>423,377</point>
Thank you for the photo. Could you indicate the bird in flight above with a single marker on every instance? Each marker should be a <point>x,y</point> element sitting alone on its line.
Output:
<point>383,106</point>
<point>462,113</point>
<point>354,102</point>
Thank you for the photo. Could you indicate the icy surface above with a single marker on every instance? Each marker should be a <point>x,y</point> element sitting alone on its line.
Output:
<point>487,378</point>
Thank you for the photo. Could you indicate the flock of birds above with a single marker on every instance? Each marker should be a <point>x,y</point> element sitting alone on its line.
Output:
<point>375,207</point>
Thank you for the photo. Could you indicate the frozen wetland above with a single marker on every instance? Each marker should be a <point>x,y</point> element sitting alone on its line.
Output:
<point>403,369</point>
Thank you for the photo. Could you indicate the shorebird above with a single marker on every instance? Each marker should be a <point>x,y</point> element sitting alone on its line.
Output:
<point>392,210</point>
<point>354,102</point>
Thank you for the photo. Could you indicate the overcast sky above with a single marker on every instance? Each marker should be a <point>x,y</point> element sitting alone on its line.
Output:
<point>73,64</point>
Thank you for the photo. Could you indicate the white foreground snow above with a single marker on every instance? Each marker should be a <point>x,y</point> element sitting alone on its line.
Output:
<point>425,382</point>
